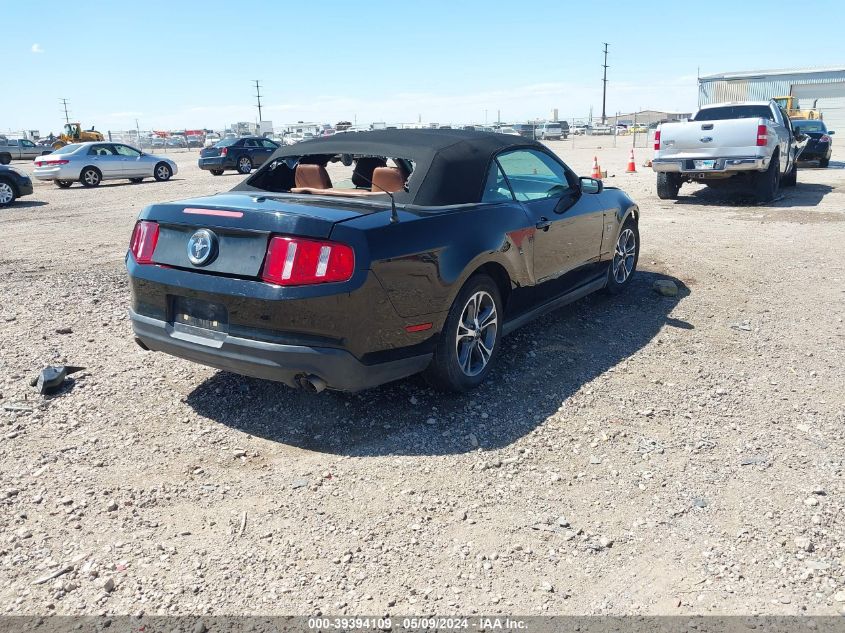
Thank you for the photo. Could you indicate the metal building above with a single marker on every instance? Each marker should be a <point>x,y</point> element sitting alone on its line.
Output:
<point>822,87</point>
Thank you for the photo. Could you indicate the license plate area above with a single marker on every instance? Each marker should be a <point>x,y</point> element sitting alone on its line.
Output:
<point>704,164</point>
<point>198,321</point>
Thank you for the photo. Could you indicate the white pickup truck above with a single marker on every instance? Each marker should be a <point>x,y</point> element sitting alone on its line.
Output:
<point>750,143</point>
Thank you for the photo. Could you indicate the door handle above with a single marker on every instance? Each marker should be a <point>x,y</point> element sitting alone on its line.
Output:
<point>543,224</point>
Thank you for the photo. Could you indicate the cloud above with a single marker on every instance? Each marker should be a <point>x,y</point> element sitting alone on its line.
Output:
<point>36,48</point>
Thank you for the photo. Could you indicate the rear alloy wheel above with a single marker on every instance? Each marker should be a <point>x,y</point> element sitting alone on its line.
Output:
<point>7,193</point>
<point>668,186</point>
<point>625,257</point>
<point>469,340</point>
<point>216,172</point>
<point>63,184</point>
<point>766,182</point>
<point>244,165</point>
<point>90,177</point>
<point>162,172</point>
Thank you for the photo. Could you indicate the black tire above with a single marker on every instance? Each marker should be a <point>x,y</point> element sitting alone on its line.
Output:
<point>63,184</point>
<point>445,371</point>
<point>766,183</point>
<point>216,172</point>
<point>90,177</point>
<point>162,172</point>
<point>668,186</point>
<point>135,181</point>
<point>824,162</point>
<point>791,179</point>
<point>8,194</point>
<point>618,278</point>
<point>244,165</point>
<point>5,159</point>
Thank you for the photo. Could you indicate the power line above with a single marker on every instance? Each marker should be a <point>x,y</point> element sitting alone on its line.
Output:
<point>258,98</point>
<point>64,104</point>
<point>604,88</point>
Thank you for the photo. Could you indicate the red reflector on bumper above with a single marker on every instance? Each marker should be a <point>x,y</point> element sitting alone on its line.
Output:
<point>218,212</point>
<point>419,327</point>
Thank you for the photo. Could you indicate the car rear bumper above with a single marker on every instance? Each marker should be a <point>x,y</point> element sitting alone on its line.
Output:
<point>339,369</point>
<point>50,173</point>
<point>24,187</point>
<point>215,162</point>
<point>723,165</point>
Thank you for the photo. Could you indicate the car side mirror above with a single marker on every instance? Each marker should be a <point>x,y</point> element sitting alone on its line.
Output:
<point>591,185</point>
<point>829,132</point>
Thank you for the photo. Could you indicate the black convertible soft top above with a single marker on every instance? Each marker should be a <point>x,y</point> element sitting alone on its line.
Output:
<point>450,166</point>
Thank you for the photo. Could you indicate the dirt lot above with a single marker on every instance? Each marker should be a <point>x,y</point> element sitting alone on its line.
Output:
<point>636,454</point>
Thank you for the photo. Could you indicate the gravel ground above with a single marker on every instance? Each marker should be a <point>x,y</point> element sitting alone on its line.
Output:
<point>630,455</point>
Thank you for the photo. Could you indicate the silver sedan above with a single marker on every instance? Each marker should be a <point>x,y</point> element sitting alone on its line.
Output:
<point>92,163</point>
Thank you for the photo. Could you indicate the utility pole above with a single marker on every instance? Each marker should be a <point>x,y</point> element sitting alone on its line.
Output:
<point>258,99</point>
<point>64,104</point>
<point>604,88</point>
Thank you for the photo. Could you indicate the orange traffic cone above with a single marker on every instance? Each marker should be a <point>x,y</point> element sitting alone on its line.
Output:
<point>596,169</point>
<point>632,167</point>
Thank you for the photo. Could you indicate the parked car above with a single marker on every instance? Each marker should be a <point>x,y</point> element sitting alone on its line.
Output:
<point>211,140</point>
<point>509,131</point>
<point>93,162</point>
<point>551,131</point>
<point>819,144</point>
<point>751,141</point>
<point>419,266</point>
<point>19,149</point>
<point>14,184</point>
<point>241,154</point>
<point>581,129</point>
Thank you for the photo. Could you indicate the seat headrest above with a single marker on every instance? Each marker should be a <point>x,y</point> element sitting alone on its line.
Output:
<point>388,179</point>
<point>362,175</point>
<point>312,176</point>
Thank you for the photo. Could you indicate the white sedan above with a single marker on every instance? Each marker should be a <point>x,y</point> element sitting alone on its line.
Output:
<point>92,163</point>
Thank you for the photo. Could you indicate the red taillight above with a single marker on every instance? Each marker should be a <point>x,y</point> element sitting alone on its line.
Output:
<point>824,138</point>
<point>39,163</point>
<point>224,151</point>
<point>762,136</point>
<point>657,139</point>
<point>292,261</point>
<point>144,240</point>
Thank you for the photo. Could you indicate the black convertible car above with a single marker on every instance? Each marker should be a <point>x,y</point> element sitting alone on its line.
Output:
<point>353,260</point>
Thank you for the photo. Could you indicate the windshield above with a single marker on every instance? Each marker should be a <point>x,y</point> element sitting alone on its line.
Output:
<point>809,126</point>
<point>734,112</point>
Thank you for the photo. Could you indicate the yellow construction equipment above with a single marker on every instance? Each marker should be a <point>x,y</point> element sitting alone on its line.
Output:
<point>796,112</point>
<point>73,133</point>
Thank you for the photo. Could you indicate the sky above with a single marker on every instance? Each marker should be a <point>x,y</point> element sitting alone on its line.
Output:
<point>188,64</point>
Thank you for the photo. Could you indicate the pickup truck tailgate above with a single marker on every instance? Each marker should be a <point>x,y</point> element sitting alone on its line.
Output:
<point>710,139</point>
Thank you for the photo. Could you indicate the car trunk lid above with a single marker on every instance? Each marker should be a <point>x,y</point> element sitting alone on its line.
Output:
<point>710,139</point>
<point>241,225</point>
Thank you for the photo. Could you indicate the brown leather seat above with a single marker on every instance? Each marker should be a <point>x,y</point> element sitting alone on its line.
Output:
<point>312,176</point>
<point>388,179</point>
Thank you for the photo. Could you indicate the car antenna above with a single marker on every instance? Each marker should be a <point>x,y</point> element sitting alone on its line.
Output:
<point>394,215</point>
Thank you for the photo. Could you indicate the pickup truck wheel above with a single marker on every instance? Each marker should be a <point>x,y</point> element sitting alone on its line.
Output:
<point>791,179</point>
<point>625,257</point>
<point>766,182</point>
<point>668,186</point>
<point>244,165</point>
<point>469,341</point>
<point>7,193</point>
<point>64,184</point>
<point>5,159</point>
